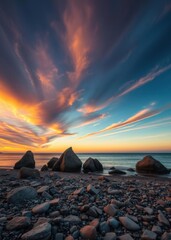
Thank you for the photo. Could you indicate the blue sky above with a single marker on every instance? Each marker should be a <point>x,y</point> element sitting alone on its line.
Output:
<point>94,75</point>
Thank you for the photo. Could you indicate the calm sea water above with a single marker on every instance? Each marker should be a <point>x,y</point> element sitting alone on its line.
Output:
<point>122,160</point>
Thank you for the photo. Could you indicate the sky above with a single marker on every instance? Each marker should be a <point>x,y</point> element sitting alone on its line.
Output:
<point>92,74</point>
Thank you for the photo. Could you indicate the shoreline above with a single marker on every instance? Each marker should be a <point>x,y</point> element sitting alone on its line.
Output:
<point>63,205</point>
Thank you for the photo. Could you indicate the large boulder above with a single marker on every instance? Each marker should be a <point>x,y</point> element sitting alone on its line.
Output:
<point>68,162</point>
<point>92,165</point>
<point>26,161</point>
<point>51,162</point>
<point>25,172</point>
<point>151,166</point>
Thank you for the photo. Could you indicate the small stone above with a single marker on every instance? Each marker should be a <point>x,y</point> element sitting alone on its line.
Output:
<point>110,236</point>
<point>148,210</point>
<point>42,231</point>
<point>94,223</point>
<point>42,189</point>
<point>148,235</point>
<point>72,219</point>
<point>69,238</point>
<point>79,191</point>
<point>54,202</point>
<point>18,223</point>
<point>104,227</point>
<point>21,194</point>
<point>88,232</point>
<point>40,221</point>
<point>113,223</point>
<point>91,189</point>
<point>126,237</point>
<point>59,236</point>
<point>129,224</point>
<point>41,208</point>
<point>166,236</point>
<point>162,219</point>
<point>156,229</point>
<point>110,210</point>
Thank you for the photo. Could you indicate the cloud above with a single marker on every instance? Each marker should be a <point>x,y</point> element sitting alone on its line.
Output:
<point>90,119</point>
<point>139,116</point>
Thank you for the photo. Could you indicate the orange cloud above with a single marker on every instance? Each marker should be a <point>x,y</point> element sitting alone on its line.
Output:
<point>77,21</point>
<point>141,115</point>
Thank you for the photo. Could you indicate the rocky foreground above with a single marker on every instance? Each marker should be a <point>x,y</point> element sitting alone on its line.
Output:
<point>70,206</point>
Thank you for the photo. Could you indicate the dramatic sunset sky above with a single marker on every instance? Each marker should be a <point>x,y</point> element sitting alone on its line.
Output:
<point>91,74</point>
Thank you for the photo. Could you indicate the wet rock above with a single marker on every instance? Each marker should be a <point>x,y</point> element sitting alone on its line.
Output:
<point>18,223</point>
<point>70,237</point>
<point>68,162</point>
<point>41,208</point>
<point>40,221</point>
<point>88,232</point>
<point>40,232</point>
<point>94,223</point>
<point>148,235</point>
<point>150,165</point>
<point>92,165</point>
<point>21,194</point>
<point>148,210</point>
<point>129,224</point>
<point>79,191</point>
<point>29,173</point>
<point>156,229</point>
<point>59,236</point>
<point>26,161</point>
<point>42,189</point>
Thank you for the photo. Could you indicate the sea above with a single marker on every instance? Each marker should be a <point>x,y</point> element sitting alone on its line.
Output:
<point>121,161</point>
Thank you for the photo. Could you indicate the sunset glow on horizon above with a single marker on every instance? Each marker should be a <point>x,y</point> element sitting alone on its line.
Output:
<point>94,75</point>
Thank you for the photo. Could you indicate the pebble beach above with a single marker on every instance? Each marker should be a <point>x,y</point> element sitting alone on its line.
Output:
<point>60,205</point>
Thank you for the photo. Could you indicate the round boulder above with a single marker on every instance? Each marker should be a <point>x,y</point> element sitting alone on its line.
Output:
<point>29,173</point>
<point>150,165</point>
<point>92,165</point>
<point>26,161</point>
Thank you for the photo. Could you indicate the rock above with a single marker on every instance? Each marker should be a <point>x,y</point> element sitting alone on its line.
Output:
<point>21,194</point>
<point>113,223</point>
<point>44,168</point>
<point>129,224</point>
<point>125,237</point>
<point>25,172</point>
<point>94,223</point>
<point>148,210</point>
<point>110,210</point>
<point>68,162</point>
<point>110,236</point>
<point>92,165</point>
<point>41,220</point>
<point>40,232</point>
<point>41,208</point>
<point>18,223</point>
<point>51,162</point>
<point>43,189</point>
<point>166,236</point>
<point>150,165</point>
<point>156,229</point>
<point>26,161</point>
<point>104,227</point>
<point>70,237</point>
<point>92,189</point>
<point>148,235</point>
<point>72,219</point>
<point>162,219</point>
<point>88,232</point>
<point>116,171</point>
<point>59,236</point>
<point>79,191</point>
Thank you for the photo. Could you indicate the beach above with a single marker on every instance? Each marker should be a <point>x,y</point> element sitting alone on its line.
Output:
<point>60,205</point>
